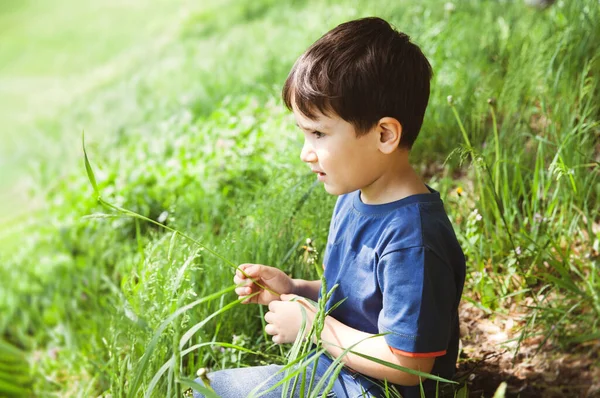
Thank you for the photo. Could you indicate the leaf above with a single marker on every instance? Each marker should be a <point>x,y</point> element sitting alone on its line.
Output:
<point>88,167</point>
<point>501,391</point>
<point>189,383</point>
<point>463,392</point>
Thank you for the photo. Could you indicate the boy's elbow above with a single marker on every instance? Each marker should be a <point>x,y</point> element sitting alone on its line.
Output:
<point>405,379</point>
<point>424,365</point>
<point>408,380</point>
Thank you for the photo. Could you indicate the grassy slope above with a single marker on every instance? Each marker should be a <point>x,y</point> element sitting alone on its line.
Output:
<point>196,131</point>
<point>51,55</point>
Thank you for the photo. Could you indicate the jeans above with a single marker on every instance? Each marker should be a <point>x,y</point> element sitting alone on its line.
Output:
<point>240,383</point>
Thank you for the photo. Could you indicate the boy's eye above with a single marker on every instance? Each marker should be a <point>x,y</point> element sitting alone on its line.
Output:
<point>318,134</point>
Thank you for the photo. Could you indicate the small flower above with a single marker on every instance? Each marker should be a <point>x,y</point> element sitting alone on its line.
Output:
<point>163,217</point>
<point>449,7</point>
<point>518,250</point>
<point>450,100</point>
<point>459,191</point>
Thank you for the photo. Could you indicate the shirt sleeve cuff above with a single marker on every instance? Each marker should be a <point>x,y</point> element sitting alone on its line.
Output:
<point>417,354</point>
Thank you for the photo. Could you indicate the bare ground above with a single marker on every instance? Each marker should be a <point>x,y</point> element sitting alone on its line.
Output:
<point>539,369</point>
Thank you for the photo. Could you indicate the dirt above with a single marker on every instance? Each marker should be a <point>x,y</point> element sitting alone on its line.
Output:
<point>489,356</point>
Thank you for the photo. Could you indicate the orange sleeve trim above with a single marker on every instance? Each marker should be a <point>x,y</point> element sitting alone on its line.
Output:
<point>418,354</point>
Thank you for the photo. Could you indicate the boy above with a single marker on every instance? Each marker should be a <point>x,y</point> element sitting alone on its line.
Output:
<point>359,95</point>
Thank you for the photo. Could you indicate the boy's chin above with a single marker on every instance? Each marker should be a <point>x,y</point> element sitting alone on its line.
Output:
<point>333,190</point>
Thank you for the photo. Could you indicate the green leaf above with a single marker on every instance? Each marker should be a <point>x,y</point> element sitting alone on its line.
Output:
<point>189,383</point>
<point>501,391</point>
<point>9,388</point>
<point>88,167</point>
<point>463,392</point>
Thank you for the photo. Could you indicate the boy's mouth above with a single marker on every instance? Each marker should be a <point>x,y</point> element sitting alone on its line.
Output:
<point>320,175</point>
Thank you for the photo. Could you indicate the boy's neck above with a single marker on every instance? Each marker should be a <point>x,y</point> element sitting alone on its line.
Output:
<point>398,181</point>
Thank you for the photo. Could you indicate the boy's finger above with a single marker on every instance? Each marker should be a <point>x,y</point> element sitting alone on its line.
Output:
<point>239,273</point>
<point>288,297</point>
<point>251,270</point>
<point>243,282</point>
<point>271,329</point>
<point>243,291</point>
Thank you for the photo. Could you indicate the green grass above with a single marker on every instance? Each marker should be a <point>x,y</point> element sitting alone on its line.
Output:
<point>54,53</point>
<point>190,132</point>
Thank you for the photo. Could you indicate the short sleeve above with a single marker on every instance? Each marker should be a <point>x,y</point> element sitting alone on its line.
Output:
<point>419,296</point>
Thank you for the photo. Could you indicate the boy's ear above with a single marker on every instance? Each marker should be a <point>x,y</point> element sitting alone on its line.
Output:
<point>390,133</point>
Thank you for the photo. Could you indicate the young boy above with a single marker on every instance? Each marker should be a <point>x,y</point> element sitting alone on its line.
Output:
<point>359,95</point>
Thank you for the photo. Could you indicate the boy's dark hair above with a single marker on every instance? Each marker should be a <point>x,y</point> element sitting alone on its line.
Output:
<point>363,70</point>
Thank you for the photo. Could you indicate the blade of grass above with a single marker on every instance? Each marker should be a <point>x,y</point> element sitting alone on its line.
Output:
<point>141,367</point>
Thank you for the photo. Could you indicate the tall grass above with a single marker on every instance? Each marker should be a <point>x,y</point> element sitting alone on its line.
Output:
<point>537,191</point>
<point>196,139</point>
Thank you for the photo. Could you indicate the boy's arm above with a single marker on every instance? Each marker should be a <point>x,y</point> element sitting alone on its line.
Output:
<point>308,289</point>
<point>284,322</point>
<point>335,335</point>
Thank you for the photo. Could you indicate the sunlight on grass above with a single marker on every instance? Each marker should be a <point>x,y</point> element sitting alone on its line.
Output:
<point>55,52</point>
<point>186,131</point>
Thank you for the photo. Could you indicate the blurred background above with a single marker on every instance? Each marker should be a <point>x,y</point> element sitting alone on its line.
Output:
<point>54,54</point>
<point>180,105</point>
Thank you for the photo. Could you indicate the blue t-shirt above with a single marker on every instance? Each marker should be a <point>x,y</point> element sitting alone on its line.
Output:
<point>401,271</point>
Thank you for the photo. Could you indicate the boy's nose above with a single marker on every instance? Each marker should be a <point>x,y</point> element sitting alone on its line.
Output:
<point>308,155</point>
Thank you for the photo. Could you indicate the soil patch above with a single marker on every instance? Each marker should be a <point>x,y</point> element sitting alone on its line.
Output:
<point>539,369</point>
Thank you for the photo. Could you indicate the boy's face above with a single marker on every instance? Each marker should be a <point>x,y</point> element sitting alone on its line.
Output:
<point>343,162</point>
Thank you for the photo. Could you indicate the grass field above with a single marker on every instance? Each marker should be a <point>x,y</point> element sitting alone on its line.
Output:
<point>184,126</point>
<point>55,53</point>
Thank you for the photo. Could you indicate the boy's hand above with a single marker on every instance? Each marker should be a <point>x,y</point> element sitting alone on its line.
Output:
<point>270,277</point>
<point>285,318</point>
